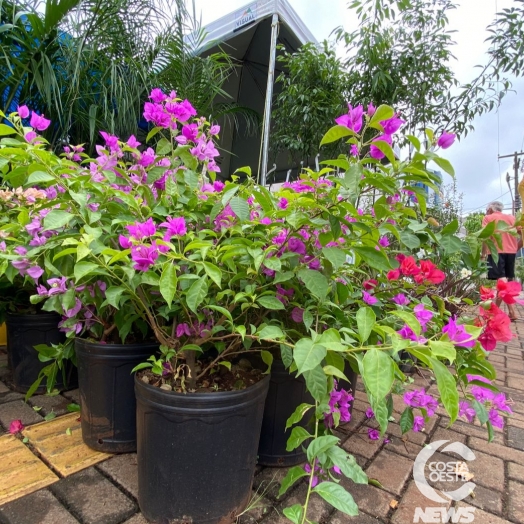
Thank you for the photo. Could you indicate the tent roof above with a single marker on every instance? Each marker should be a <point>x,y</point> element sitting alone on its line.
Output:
<point>234,23</point>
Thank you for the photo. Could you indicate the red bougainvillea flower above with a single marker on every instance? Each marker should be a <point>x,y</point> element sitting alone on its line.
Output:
<point>394,274</point>
<point>369,284</point>
<point>507,291</point>
<point>486,293</point>
<point>497,326</point>
<point>408,267</point>
<point>429,273</point>
<point>487,341</point>
<point>16,426</point>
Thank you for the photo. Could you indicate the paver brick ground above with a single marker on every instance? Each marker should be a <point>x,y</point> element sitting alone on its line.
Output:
<point>107,493</point>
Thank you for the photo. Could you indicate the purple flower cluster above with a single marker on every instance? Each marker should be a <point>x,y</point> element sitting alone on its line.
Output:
<point>457,334</point>
<point>339,402</point>
<point>494,402</point>
<point>421,400</point>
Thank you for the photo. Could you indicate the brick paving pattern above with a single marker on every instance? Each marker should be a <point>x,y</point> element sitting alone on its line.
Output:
<point>107,492</point>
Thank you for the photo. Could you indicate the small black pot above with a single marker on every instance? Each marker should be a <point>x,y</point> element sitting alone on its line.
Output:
<point>107,396</point>
<point>23,333</point>
<point>286,393</point>
<point>197,452</point>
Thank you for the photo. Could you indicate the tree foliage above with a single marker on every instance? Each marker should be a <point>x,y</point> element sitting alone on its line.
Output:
<point>313,92</point>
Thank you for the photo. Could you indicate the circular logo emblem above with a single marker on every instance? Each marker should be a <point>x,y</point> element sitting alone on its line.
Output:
<point>443,471</point>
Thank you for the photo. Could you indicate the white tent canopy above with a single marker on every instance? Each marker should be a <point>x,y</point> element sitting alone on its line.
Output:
<point>250,35</point>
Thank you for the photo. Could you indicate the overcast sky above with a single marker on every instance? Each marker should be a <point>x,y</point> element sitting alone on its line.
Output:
<point>480,175</point>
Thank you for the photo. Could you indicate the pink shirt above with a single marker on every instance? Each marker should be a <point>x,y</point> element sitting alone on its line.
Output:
<point>509,242</point>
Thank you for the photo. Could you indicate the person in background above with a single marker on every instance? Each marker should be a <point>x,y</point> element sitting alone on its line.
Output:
<point>505,267</point>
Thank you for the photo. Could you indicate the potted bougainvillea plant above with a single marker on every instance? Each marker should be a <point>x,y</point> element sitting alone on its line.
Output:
<point>322,274</point>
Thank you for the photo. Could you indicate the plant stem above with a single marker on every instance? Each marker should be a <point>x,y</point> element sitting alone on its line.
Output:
<point>312,474</point>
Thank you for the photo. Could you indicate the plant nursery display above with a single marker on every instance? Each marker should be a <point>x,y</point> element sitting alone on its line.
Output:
<point>338,272</point>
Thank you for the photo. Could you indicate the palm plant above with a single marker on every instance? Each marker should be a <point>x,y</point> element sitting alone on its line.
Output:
<point>86,64</point>
<point>89,64</point>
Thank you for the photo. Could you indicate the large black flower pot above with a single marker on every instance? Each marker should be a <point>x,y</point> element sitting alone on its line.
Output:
<point>197,452</point>
<point>24,332</point>
<point>107,396</point>
<point>286,393</point>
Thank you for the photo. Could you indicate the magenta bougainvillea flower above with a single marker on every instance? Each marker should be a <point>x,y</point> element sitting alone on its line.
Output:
<point>446,140</point>
<point>16,426</point>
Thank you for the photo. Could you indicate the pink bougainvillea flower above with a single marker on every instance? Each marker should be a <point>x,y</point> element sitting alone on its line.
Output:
<point>486,293</point>
<point>147,157</point>
<point>501,403</point>
<point>429,273</point>
<point>383,241</point>
<point>218,185</point>
<point>371,109</point>
<point>353,150</point>
<point>38,122</point>
<point>353,119</point>
<point>23,111</point>
<point>369,284</point>
<point>465,410</point>
<point>143,256</point>
<point>16,426</point>
<point>370,413</point>
<point>35,272</point>
<point>496,420</point>
<point>296,246</point>
<point>408,267</point>
<point>266,221</point>
<point>30,136</point>
<point>401,299</point>
<point>374,151</point>
<point>423,315</point>
<point>446,140</point>
<point>182,111</point>
<point>457,334</point>
<point>133,142</point>
<point>394,274</point>
<point>283,203</point>
<point>418,423</point>
<point>140,230</point>
<point>176,227</point>
<point>391,125</point>
<point>124,242</point>
<point>508,290</point>
<point>157,95</point>
<point>373,434</point>
<point>182,329</point>
<point>297,314</point>
<point>369,299</point>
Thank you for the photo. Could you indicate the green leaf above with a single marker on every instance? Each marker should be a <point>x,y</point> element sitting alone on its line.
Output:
<point>480,410</point>
<point>292,476</point>
<point>410,240</point>
<point>6,130</point>
<point>443,349</point>
<point>298,435</point>
<point>240,207</point>
<point>347,464</point>
<point>294,513</point>
<point>336,133</point>
<point>445,165</point>
<point>270,302</point>
<point>487,231</point>
<point>84,268</point>
<point>366,319</point>
<point>406,420</point>
<point>315,282</point>
<point>113,295</point>
<point>297,415</point>
<point>335,255</point>
<point>447,387</point>
<point>56,219</point>
<point>196,294</point>
<point>73,408</point>
<point>37,177</point>
<point>271,333</point>
<point>308,355</point>
<point>320,445</point>
<point>378,373</point>
<point>409,319</point>
<point>316,383</point>
<point>168,282</point>
<point>383,112</point>
<point>273,263</point>
<point>451,244</point>
<point>451,228</point>
<point>338,497</point>
<point>376,259</point>
<point>333,371</point>
<point>214,273</point>
<point>267,358</point>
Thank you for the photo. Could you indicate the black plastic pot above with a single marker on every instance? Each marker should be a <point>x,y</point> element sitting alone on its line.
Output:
<point>23,333</point>
<point>286,393</point>
<point>107,397</point>
<point>197,452</point>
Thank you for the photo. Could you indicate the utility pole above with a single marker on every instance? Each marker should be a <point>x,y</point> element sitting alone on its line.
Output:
<point>516,199</point>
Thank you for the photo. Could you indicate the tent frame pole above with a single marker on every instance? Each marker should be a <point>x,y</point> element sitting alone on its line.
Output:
<point>269,97</point>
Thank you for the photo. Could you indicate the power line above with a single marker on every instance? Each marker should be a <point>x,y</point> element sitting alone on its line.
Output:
<point>488,202</point>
